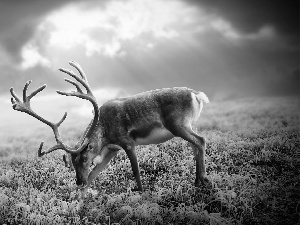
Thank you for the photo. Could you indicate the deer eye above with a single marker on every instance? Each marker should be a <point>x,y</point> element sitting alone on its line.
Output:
<point>84,158</point>
<point>90,147</point>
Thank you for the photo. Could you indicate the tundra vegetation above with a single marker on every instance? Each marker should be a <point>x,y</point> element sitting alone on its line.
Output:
<point>252,160</point>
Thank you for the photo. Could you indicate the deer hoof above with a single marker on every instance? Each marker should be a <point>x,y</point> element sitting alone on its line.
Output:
<point>136,189</point>
<point>204,181</point>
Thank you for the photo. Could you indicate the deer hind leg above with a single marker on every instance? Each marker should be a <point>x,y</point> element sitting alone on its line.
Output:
<point>199,155</point>
<point>198,145</point>
<point>130,151</point>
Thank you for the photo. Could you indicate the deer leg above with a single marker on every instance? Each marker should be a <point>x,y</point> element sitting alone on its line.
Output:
<point>68,161</point>
<point>101,163</point>
<point>130,151</point>
<point>199,154</point>
<point>198,145</point>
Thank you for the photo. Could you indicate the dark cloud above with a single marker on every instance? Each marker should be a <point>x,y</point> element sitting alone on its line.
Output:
<point>249,16</point>
<point>19,19</point>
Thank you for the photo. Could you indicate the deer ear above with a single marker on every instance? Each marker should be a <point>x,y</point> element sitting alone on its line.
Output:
<point>113,147</point>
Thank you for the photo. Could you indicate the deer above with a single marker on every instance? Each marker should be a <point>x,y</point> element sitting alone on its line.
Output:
<point>150,117</point>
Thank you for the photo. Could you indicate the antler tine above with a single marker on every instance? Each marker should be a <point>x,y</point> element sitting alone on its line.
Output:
<point>80,70</point>
<point>37,91</point>
<point>14,99</point>
<point>25,90</point>
<point>25,105</point>
<point>40,153</point>
<point>60,146</point>
<point>77,94</point>
<point>83,82</point>
<point>75,84</point>
<point>62,119</point>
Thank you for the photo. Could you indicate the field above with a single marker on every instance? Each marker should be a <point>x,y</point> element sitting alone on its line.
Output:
<point>252,160</point>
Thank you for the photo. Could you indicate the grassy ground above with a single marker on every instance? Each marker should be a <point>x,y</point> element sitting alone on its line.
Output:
<point>253,161</point>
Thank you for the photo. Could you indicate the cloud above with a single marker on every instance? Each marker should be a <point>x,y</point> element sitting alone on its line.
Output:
<point>250,16</point>
<point>230,33</point>
<point>104,30</point>
<point>137,45</point>
<point>19,20</point>
<point>108,28</point>
<point>31,57</point>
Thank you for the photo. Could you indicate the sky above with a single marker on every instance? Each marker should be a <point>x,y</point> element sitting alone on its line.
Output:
<point>227,49</point>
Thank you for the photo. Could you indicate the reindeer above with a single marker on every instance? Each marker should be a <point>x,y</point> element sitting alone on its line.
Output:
<point>121,124</point>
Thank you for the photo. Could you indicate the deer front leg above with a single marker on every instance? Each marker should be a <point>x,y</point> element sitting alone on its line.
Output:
<point>107,153</point>
<point>130,151</point>
<point>68,161</point>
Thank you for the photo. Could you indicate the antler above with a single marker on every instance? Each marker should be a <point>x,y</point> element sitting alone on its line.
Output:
<point>80,94</point>
<point>25,107</point>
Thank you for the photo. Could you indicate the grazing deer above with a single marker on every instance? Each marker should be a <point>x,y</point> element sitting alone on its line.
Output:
<point>147,118</point>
